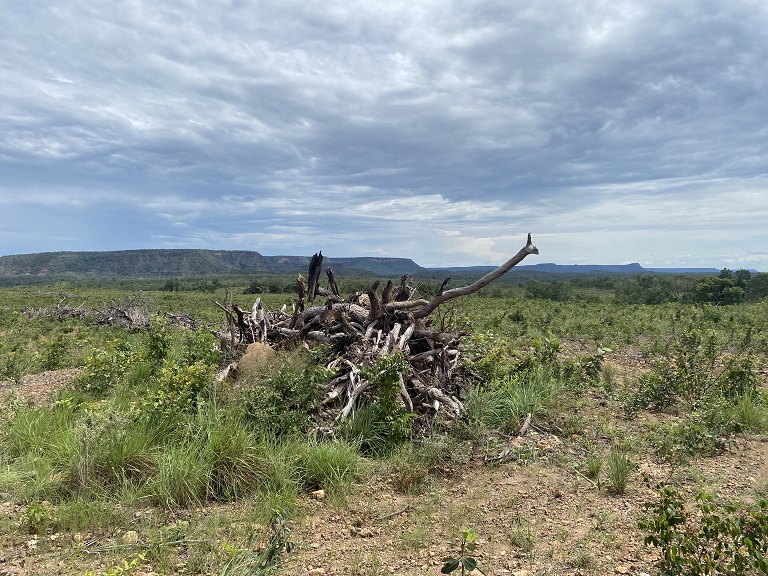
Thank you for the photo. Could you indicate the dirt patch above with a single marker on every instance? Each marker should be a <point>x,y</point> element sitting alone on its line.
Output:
<point>38,388</point>
<point>541,518</point>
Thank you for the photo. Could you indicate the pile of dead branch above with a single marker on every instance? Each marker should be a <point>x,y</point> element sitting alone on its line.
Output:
<point>361,329</point>
<point>132,314</point>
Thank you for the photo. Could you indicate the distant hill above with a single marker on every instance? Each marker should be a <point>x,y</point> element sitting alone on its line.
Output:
<point>190,262</point>
<point>185,262</point>
<point>549,268</point>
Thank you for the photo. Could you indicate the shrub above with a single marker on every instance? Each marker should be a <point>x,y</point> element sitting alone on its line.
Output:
<point>284,403</point>
<point>201,346</point>
<point>53,353</point>
<point>726,539</point>
<point>695,371</point>
<point>177,390</point>
<point>105,366</point>
<point>677,442</point>
<point>158,339</point>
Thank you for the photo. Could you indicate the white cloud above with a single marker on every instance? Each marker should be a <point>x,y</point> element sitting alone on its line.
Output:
<point>380,126</point>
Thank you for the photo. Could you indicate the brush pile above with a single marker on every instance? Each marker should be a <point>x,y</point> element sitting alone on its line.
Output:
<point>362,329</point>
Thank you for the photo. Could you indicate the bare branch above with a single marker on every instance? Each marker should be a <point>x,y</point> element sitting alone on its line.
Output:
<point>529,248</point>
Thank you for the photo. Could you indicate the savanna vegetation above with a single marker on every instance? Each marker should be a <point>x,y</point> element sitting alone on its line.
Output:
<point>612,425</point>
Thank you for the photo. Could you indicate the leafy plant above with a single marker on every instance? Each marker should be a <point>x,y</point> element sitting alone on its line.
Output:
<point>284,403</point>
<point>159,339</point>
<point>463,561</point>
<point>696,370</point>
<point>136,565</point>
<point>36,518</point>
<point>243,561</point>
<point>714,540</point>
<point>104,367</point>
<point>679,441</point>
<point>53,353</point>
<point>177,389</point>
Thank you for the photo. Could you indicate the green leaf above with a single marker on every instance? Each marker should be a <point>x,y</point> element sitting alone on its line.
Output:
<point>451,564</point>
<point>471,546</point>
<point>469,563</point>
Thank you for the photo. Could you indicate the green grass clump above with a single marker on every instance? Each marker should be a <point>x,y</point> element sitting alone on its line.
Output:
<point>328,465</point>
<point>507,402</point>
<point>618,469</point>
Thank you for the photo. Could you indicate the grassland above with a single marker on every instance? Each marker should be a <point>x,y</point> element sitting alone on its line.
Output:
<point>128,459</point>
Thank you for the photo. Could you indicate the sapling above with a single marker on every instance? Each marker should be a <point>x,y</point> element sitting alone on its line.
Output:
<point>464,561</point>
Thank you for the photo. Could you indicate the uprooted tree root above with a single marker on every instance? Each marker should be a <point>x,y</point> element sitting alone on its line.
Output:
<point>361,330</point>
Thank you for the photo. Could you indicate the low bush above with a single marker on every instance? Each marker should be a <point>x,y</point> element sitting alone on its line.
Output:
<point>284,404</point>
<point>711,540</point>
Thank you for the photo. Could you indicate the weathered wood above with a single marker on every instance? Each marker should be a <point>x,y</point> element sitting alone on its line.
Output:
<point>332,282</point>
<point>375,306</point>
<point>528,249</point>
<point>313,282</point>
<point>365,328</point>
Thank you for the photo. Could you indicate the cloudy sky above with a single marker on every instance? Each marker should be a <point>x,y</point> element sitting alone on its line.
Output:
<point>439,130</point>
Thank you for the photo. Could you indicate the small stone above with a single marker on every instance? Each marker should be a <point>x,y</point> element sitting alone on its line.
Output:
<point>131,537</point>
<point>315,571</point>
<point>622,569</point>
<point>318,494</point>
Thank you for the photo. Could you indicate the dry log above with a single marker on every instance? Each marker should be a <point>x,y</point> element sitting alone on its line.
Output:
<point>439,397</point>
<point>529,248</point>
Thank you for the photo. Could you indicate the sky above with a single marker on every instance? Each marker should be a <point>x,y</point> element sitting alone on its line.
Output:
<point>443,131</point>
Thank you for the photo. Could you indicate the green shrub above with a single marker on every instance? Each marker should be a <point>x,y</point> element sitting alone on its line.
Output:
<point>285,403</point>
<point>677,442</point>
<point>726,539</point>
<point>36,519</point>
<point>159,338</point>
<point>177,390</point>
<point>53,353</point>
<point>696,370</point>
<point>105,366</point>
<point>201,346</point>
